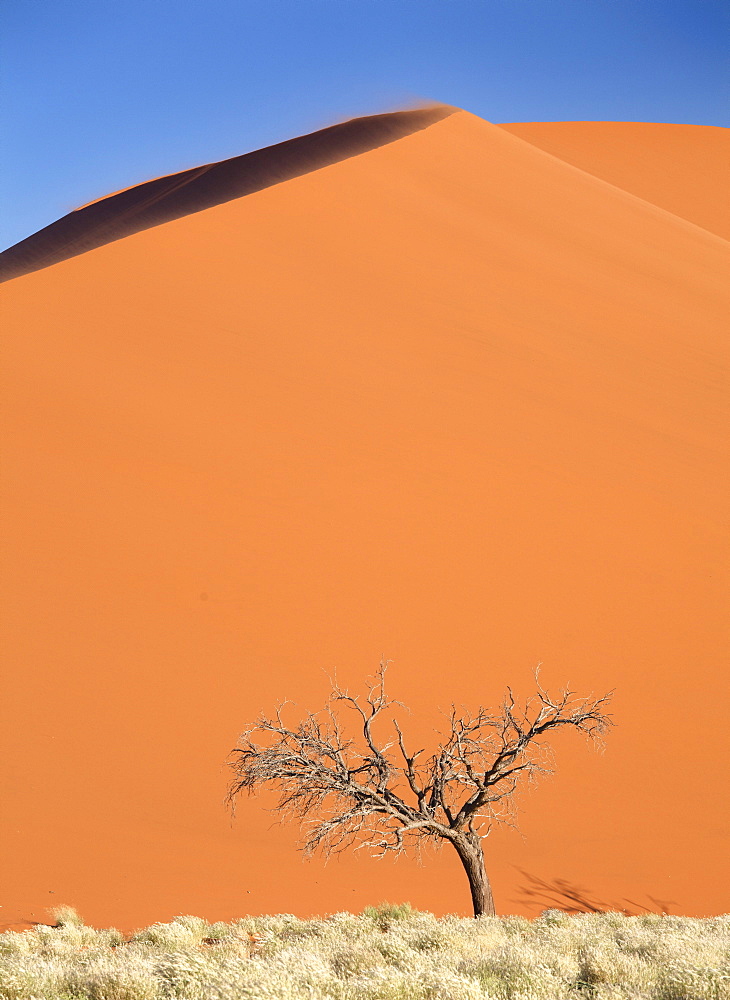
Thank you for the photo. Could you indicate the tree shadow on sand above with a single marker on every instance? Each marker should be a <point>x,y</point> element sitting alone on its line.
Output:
<point>560,894</point>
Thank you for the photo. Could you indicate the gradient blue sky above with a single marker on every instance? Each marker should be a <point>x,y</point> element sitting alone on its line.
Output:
<point>101,94</point>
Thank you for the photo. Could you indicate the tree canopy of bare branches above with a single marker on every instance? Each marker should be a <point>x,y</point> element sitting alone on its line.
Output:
<point>368,789</point>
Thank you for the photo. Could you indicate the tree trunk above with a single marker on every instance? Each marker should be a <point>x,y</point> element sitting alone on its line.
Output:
<point>469,848</point>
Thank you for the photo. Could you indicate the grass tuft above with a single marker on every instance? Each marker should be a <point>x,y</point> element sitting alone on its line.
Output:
<point>66,916</point>
<point>389,952</point>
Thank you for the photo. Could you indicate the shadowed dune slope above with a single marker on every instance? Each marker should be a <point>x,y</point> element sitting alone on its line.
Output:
<point>176,195</point>
<point>682,168</point>
<point>451,400</point>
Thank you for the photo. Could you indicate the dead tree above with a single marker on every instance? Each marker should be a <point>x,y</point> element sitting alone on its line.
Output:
<point>366,790</point>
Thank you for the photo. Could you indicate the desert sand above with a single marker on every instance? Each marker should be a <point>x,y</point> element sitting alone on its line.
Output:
<point>457,400</point>
<point>682,168</point>
<point>176,195</point>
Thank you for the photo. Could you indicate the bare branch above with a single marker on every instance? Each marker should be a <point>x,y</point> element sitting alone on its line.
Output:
<point>361,791</point>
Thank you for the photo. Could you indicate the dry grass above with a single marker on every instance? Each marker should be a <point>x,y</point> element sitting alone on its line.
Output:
<point>386,953</point>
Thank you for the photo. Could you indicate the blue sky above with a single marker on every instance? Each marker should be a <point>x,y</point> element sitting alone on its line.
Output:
<point>102,94</point>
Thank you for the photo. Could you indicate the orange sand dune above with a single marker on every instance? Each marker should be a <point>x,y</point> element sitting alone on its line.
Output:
<point>450,400</point>
<point>177,195</point>
<point>682,168</point>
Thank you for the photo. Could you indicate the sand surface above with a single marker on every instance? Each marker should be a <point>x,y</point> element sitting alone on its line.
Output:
<point>174,196</point>
<point>683,168</point>
<point>453,400</point>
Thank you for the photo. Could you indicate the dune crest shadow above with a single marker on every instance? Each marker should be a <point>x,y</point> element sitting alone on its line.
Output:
<point>561,894</point>
<point>155,202</point>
